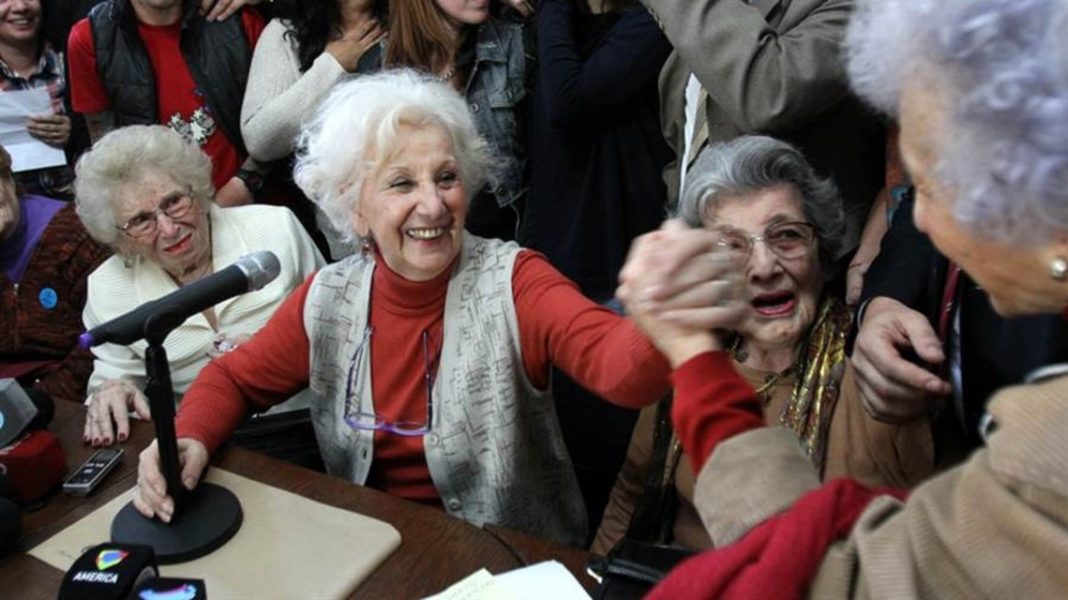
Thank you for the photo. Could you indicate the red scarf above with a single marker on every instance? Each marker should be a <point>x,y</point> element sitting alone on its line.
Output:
<point>780,557</point>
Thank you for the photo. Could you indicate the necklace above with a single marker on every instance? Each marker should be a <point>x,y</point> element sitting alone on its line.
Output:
<point>767,390</point>
<point>447,75</point>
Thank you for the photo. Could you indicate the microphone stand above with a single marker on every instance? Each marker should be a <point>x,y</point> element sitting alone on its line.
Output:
<point>205,518</point>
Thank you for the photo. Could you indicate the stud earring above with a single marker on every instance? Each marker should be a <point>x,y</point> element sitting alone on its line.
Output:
<point>1058,268</point>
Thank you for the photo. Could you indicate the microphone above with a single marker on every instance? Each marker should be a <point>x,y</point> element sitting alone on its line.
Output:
<point>22,410</point>
<point>250,272</point>
<point>109,572</point>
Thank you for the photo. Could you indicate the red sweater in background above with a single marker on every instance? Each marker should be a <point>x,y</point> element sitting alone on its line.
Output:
<point>557,326</point>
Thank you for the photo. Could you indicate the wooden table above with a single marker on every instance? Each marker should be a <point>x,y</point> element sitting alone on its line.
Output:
<point>436,550</point>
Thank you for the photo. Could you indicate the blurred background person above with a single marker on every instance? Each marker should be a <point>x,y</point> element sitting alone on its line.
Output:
<point>489,61</point>
<point>298,60</point>
<point>428,352</point>
<point>146,193</point>
<point>979,90</point>
<point>29,61</point>
<point>782,225</point>
<point>165,62</point>
<point>596,155</point>
<point>769,67</point>
<point>45,257</point>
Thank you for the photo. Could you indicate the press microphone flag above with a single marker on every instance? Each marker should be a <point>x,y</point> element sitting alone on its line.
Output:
<point>250,272</point>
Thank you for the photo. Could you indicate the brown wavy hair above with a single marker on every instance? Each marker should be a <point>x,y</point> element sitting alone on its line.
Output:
<point>419,36</point>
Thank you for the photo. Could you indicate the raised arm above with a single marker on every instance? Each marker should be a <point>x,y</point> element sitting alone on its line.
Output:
<point>764,79</point>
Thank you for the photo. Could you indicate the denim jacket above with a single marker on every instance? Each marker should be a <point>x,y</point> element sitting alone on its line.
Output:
<point>495,89</point>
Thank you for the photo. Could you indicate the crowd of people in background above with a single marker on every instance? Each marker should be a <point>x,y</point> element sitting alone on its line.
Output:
<point>739,277</point>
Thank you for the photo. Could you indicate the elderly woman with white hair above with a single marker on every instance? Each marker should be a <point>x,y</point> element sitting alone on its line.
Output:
<point>429,351</point>
<point>980,88</point>
<point>147,194</point>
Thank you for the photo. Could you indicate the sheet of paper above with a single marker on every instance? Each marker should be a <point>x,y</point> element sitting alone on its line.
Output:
<point>480,585</point>
<point>548,579</point>
<point>27,152</point>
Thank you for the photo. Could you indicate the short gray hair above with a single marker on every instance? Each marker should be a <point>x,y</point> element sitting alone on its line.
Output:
<point>126,155</point>
<point>753,163</point>
<point>1003,67</point>
<point>357,125</point>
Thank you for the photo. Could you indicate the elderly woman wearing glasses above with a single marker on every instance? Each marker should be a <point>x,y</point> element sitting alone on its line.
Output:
<point>147,194</point>
<point>781,224</point>
<point>429,352</point>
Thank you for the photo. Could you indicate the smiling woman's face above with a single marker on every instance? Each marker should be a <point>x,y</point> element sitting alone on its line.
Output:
<point>177,245</point>
<point>413,206</point>
<point>783,293</point>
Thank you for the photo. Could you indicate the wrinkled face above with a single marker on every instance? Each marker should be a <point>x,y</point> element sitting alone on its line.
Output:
<point>783,294</point>
<point>1014,277</point>
<point>9,208</point>
<point>464,12</point>
<point>413,206</point>
<point>178,245</point>
<point>19,21</point>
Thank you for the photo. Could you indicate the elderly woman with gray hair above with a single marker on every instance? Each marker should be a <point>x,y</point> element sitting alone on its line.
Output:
<point>781,226</point>
<point>428,353</point>
<point>147,194</point>
<point>979,88</point>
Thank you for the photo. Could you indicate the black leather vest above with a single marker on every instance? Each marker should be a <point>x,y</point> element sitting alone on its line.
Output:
<point>217,54</point>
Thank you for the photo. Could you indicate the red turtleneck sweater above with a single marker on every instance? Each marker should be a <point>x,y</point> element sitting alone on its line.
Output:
<point>557,325</point>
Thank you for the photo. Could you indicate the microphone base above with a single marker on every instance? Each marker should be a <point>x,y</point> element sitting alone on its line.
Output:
<point>210,516</point>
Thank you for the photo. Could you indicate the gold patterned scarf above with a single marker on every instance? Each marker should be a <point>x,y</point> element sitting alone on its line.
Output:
<point>821,367</point>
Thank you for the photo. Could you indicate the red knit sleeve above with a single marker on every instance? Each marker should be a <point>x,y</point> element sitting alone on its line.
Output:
<point>712,403</point>
<point>604,352</point>
<point>266,370</point>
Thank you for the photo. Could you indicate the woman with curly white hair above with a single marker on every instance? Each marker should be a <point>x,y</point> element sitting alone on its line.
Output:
<point>147,194</point>
<point>980,88</point>
<point>428,352</point>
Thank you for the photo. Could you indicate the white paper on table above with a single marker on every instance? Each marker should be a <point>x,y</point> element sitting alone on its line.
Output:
<point>548,579</point>
<point>27,152</point>
<point>480,585</point>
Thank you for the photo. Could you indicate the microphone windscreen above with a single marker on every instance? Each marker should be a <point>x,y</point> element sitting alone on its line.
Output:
<point>259,267</point>
<point>109,571</point>
<point>10,525</point>
<point>17,411</point>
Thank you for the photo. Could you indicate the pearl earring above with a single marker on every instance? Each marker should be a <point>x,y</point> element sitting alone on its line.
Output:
<point>1058,268</point>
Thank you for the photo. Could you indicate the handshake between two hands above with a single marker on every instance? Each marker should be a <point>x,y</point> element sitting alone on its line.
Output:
<point>679,286</point>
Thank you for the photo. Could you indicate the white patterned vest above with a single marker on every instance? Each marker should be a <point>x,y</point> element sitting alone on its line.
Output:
<point>495,451</point>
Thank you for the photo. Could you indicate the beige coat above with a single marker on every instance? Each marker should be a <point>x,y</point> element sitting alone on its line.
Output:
<point>873,453</point>
<point>773,67</point>
<point>994,527</point>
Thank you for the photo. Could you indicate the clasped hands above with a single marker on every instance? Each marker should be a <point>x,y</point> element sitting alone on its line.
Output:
<point>679,287</point>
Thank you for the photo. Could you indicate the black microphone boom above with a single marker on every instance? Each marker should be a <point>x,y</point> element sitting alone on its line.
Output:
<point>250,272</point>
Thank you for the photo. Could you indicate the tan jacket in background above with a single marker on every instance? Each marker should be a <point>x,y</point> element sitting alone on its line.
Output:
<point>773,67</point>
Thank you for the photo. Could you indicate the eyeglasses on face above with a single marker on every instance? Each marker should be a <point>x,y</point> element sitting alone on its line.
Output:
<point>375,422</point>
<point>790,240</point>
<point>175,205</point>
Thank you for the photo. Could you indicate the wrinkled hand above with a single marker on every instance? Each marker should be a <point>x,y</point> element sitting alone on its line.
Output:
<point>53,130</point>
<point>150,497</point>
<point>109,409</point>
<point>523,7</point>
<point>354,43</point>
<point>217,10</point>
<point>679,287</point>
<point>234,193</point>
<point>893,389</point>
